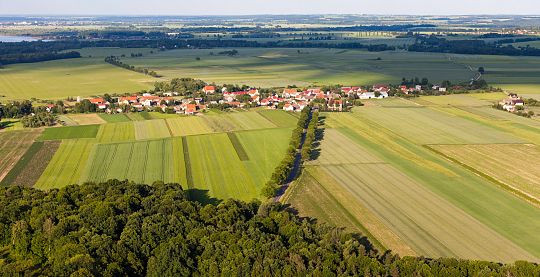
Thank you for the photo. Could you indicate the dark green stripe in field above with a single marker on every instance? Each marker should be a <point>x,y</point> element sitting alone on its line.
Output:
<point>238,147</point>
<point>146,115</point>
<point>189,174</point>
<point>71,132</point>
<point>32,164</point>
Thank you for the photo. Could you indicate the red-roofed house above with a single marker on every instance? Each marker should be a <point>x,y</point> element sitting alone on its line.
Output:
<point>209,89</point>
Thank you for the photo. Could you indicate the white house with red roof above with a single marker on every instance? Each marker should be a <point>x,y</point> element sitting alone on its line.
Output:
<point>209,89</point>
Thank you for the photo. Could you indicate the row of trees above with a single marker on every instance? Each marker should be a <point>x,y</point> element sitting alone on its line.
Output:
<point>37,57</point>
<point>118,228</point>
<point>309,141</point>
<point>435,44</point>
<point>282,172</point>
<point>183,86</point>
<point>116,61</point>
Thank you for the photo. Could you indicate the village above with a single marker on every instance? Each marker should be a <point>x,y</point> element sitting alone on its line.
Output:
<point>290,99</point>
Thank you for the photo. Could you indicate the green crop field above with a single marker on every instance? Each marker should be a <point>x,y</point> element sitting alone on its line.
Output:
<point>116,132</point>
<point>70,132</point>
<point>215,167</point>
<point>279,118</point>
<point>67,165</point>
<point>72,77</point>
<point>185,126</point>
<point>12,146</point>
<point>151,129</point>
<point>115,118</point>
<point>143,162</point>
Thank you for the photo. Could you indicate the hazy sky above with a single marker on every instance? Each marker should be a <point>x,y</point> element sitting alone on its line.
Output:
<point>228,7</point>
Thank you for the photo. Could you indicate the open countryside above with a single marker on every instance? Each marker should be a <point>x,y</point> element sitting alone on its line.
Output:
<point>270,145</point>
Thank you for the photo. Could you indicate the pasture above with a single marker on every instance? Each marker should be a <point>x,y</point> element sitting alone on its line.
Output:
<point>68,78</point>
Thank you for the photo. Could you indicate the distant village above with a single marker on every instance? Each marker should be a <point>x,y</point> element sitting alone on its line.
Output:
<point>290,99</point>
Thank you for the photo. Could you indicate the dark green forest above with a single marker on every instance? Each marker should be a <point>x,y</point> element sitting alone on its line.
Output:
<point>121,228</point>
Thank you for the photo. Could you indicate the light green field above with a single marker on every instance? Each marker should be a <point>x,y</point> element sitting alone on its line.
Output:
<point>116,132</point>
<point>186,126</point>
<point>279,118</point>
<point>428,126</point>
<point>114,118</point>
<point>281,67</point>
<point>67,165</point>
<point>215,167</point>
<point>72,77</point>
<point>142,162</point>
<point>265,149</point>
<point>516,165</point>
<point>151,129</point>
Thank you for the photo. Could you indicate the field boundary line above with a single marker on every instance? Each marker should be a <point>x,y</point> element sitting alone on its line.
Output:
<point>533,201</point>
<point>187,162</point>
<point>238,147</point>
<point>169,128</point>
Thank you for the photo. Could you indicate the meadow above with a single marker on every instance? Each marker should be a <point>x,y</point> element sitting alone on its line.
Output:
<point>68,78</point>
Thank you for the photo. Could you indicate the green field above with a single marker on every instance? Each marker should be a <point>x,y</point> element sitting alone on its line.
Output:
<point>115,118</point>
<point>151,129</point>
<point>72,77</point>
<point>67,165</point>
<point>71,132</point>
<point>142,162</point>
<point>116,132</point>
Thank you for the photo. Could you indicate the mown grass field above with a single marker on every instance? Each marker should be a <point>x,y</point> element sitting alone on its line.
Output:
<point>86,119</point>
<point>426,204</point>
<point>13,145</point>
<point>151,129</point>
<point>72,77</point>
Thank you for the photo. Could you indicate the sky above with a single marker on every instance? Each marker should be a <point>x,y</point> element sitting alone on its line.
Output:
<point>249,7</point>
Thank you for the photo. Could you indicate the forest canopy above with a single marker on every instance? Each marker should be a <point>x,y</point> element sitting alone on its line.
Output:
<point>120,228</point>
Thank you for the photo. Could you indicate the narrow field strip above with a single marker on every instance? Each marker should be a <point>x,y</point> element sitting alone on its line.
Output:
<point>187,159</point>
<point>279,118</point>
<point>240,151</point>
<point>115,118</point>
<point>151,129</point>
<point>116,132</point>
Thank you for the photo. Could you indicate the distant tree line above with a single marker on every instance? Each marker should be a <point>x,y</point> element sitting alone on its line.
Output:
<point>117,62</point>
<point>282,172</point>
<point>183,86</point>
<point>480,47</point>
<point>36,57</point>
<point>118,228</point>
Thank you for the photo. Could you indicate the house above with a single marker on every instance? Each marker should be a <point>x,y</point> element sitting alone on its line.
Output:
<point>288,107</point>
<point>128,100</point>
<point>381,87</point>
<point>367,95</point>
<point>253,92</point>
<point>97,101</point>
<point>290,93</point>
<point>512,103</point>
<point>441,89</point>
<point>209,90</point>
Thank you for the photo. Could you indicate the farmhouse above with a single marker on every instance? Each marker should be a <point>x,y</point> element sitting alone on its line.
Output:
<point>209,90</point>
<point>512,103</point>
